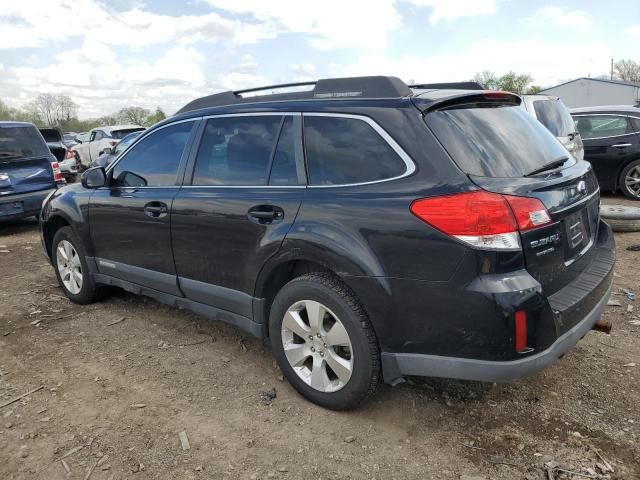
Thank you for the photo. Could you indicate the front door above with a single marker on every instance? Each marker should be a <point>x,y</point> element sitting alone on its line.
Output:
<point>130,221</point>
<point>247,185</point>
<point>610,141</point>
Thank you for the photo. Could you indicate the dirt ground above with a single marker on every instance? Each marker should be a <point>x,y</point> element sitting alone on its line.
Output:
<point>117,396</point>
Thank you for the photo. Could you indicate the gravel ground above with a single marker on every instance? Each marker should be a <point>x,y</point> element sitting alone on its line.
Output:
<point>124,377</point>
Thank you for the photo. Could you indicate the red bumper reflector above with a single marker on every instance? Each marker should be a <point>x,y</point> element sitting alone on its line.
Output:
<point>521,331</point>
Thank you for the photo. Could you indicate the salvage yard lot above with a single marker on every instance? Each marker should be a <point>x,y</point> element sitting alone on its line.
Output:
<point>124,377</point>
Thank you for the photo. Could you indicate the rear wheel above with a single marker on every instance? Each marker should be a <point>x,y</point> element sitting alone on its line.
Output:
<point>71,268</point>
<point>324,343</point>
<point>630,180</point>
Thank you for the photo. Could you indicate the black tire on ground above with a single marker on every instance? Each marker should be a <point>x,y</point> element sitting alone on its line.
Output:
<point>88,293</point>
<point>621,218</point>
<point>332,293</point>
<point>622,183</point>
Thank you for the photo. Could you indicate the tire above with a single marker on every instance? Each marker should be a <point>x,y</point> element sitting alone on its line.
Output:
<point>351,350</point>
<point>621,218</point>
<point>83,291</point>
<point>630,173</point>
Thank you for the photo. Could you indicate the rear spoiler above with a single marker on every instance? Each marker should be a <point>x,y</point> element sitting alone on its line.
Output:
<point>449,86</point>
<point>459,98</point>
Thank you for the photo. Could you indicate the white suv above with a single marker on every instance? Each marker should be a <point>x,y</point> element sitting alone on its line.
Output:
<point>552,113</point>
<point>101,138</point>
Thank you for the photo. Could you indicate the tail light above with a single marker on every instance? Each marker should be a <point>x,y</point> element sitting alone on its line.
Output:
<point>69,155</point>
<point>113,143</point>
<point>57,173</point>
<point>483,219</point>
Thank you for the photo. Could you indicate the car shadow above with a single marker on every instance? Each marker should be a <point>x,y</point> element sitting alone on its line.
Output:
<point>14,227</point>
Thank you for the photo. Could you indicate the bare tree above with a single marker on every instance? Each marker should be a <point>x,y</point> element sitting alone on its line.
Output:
<point>52,110</point>
<point>627,70</point>
<point>135,115</point>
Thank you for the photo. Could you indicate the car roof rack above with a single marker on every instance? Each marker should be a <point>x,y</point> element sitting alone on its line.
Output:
<point>330,88</point>
<point>449,86</point>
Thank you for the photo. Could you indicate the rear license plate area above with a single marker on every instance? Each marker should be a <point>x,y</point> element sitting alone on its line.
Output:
<point>11,208</point>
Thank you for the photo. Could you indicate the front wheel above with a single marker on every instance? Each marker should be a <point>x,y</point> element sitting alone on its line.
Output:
<point>630,180</point>
<point>324,343</point>
<point>71,269</point>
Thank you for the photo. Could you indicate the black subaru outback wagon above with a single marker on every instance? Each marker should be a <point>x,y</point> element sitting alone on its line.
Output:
<point>369,229</point>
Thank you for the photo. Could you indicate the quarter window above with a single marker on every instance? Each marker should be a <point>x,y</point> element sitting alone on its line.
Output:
<point>598,126</point>
<point>347,150</point>
<point>237,151</point>
<point>154,161</point>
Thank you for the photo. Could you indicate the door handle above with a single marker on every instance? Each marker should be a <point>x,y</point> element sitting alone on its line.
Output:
<point>266,213</point>
<point>156,209</point>
<point>621,145</point>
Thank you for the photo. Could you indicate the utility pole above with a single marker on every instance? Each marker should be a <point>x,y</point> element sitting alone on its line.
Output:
<point>611,68</point>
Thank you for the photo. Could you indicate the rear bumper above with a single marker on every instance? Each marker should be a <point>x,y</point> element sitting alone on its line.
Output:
<point>397,365</point>
<point>13,207</point>
<point>563,318</point>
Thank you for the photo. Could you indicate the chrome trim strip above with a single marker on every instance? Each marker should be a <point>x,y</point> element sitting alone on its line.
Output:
<point>254,114</point>
<point>606,115</point>
<point>583,200</point>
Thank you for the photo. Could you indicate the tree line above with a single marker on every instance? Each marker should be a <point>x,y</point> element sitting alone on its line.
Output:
<point>48,110</point>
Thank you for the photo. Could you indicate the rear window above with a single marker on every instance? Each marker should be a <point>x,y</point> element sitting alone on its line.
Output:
<point>51,135</point>
<point>120,134</point>
<point>601,126</point>
<point>495,141</point>
<point>343,151</point>
<point>21,142</point>
<point>555,116</point>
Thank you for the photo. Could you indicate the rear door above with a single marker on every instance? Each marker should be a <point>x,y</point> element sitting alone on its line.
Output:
<point>610,142</point>
<point>130,220</point>
<point>246,186</point>
<point>501,148</point>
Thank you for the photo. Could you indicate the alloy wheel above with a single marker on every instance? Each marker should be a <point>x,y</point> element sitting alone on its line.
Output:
<point>632,181</point>
<point>317,346</point>
<point>69,267</point>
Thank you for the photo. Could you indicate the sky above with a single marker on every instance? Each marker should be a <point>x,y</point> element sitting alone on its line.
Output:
<point>110,54</point>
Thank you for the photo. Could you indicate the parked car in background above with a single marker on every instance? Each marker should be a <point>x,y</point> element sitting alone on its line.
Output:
<point>64,155</point>
<point>28,170</point>
<point>370,230</point>
<point>69,138</point>
<point>99,139</point>
<point>81,137</point>
<point>110,154</point>
<point>611,137</point>
<point>552,113</point>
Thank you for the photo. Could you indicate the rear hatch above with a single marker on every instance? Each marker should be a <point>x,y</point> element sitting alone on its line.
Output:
<point>53,137</point>
<point>504,150</point>
<point>25,160</point>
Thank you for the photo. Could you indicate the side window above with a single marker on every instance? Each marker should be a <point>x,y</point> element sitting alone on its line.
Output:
<point>598,126</point>
<point>236,150</point>
<point>347,150</point>
<point>93,136</point>
<point>283,170</point>
<point>154,161</point>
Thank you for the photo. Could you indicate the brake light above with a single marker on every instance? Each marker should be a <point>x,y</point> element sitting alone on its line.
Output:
<point>57,173</point>
<point>69,155</point>
<point>482,219</point>
<point>521,331</point>
<point>113,143</point>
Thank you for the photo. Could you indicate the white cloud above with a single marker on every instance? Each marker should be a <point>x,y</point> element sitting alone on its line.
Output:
<point>633,31</point>
<point>449,10</point>
<point>559,17</point>
<point>540,59</point>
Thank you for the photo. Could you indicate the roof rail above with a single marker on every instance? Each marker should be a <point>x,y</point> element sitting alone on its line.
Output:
<point>449,86</point>
<point>331,88</point>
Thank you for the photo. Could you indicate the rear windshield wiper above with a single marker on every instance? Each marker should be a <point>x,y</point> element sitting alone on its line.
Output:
<point>548,166</point>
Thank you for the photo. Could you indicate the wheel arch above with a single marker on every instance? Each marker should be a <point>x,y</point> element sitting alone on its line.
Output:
<point>49,229</point>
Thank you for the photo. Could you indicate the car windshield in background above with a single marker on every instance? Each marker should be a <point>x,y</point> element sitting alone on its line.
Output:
<point>495,141</point>
<point>69,138</point>
<point>21,142</point>
<point>554,115</point>
<point>125,142</point>
<point>120,134</point>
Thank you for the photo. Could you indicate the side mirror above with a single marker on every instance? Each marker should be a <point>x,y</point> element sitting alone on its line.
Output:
<point>107,151</point>
<point>94,177</point>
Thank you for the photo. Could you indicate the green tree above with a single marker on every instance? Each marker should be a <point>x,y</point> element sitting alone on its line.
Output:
<point>155,117</point>
<point>134,115</point>
<point>509,82</point>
